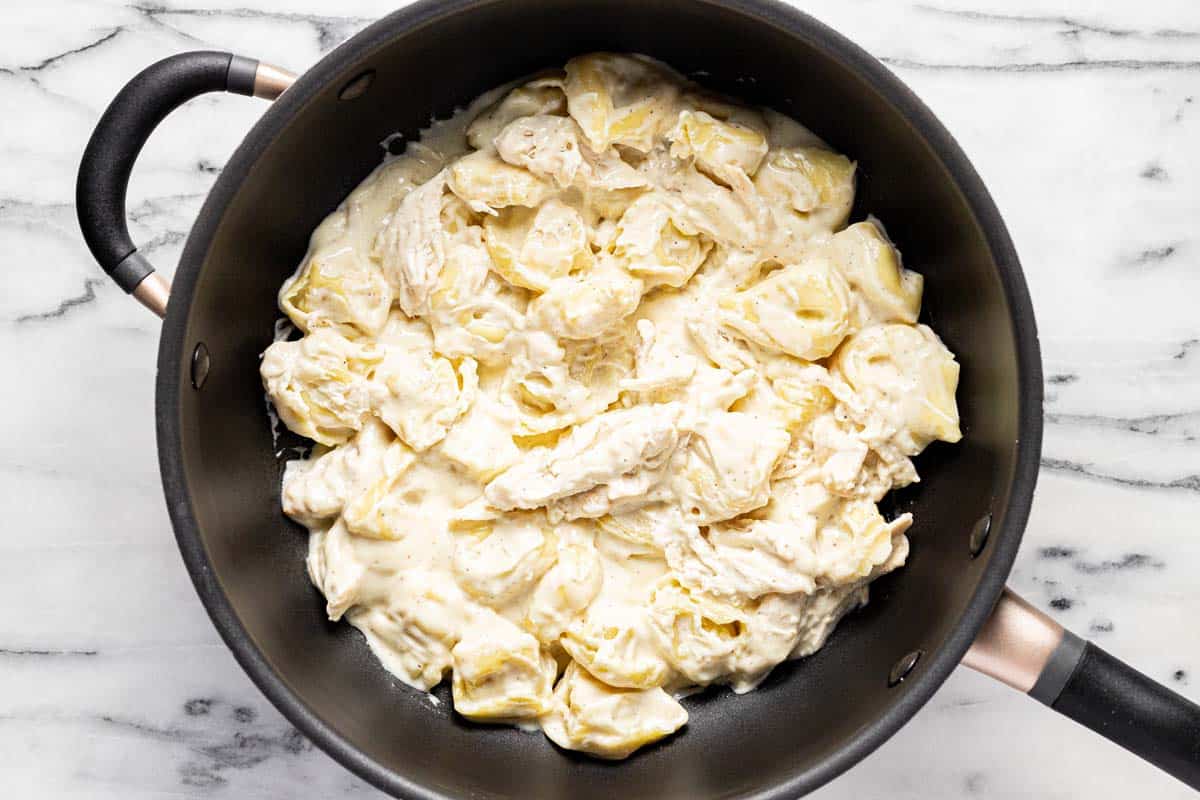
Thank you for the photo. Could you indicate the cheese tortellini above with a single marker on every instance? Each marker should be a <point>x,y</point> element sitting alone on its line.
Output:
<point>908,373</point>
<point>605,721</point>
<point>809,190</point>
<point>727,150</point>
<point>500,561</point>
<point>419,394</point>
<point>801,310</point>
<point>501,673</point>
<point>532,247</point>
<point>486,183</point>
<point>604,393</point>
<point>568,588</point>
<point>620,100</point>
<point>337,289</point>
<point>871,264</point>
<point>653,248</point>
<point>320,385</point>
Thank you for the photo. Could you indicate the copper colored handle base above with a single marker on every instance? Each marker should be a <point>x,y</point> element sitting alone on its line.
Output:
<point>271,81</point>
<point>1015,644</point>
<point>1032,653</point>
<point>153,292</point>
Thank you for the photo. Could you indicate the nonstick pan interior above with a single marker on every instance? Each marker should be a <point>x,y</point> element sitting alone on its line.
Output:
<point>810,719</point>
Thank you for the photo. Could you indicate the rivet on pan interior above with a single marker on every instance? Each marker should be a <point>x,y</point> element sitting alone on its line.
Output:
<point>200,365</point>
<point>357,86</point>
<point>979,534</point>
<point>904,666</point>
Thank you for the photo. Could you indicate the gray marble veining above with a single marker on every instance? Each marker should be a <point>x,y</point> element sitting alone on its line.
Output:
<point>1082,118</point>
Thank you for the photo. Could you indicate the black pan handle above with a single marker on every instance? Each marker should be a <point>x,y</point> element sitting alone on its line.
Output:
<point>118,140</point>
<point>1123,705</point>
<point>1024,648</point>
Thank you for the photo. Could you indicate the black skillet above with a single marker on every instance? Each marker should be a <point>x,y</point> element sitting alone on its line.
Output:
<point>812,719</point>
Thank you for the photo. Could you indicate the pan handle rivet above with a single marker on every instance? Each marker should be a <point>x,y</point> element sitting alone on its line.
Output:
<point>357,86</point>
<point>904,666</point>
<point>200,365</point>
<point>979,534</point>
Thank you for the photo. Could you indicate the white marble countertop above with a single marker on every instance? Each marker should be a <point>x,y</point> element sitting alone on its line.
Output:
<point>1084,120</point>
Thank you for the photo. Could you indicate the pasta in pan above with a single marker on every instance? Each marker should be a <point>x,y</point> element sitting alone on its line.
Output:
<point>605,394</point>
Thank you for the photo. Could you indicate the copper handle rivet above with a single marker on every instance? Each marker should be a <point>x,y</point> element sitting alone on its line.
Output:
<point>979,534</point>
<point>904,666</point>
<point>200,365</point>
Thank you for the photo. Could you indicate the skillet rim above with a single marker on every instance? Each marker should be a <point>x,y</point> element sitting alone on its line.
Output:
<point>796,24</point>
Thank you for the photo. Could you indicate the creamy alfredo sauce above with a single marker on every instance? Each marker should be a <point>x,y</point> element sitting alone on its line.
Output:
<point>605,394</point>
